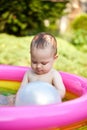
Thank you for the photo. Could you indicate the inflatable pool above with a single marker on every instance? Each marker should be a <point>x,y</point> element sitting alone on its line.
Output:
<point>63,116</point>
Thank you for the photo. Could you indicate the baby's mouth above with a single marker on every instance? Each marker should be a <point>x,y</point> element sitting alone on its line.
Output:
<point>39,71</point>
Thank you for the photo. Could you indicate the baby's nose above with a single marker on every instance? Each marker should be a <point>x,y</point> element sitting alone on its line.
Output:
<point>38,65</point>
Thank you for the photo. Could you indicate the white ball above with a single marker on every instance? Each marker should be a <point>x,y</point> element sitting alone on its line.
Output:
<point>37,93</point>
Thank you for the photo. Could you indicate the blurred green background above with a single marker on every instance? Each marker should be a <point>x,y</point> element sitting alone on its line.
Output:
<point>20,20</point>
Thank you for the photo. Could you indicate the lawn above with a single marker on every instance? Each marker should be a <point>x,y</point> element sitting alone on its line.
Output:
<point>15,51</point>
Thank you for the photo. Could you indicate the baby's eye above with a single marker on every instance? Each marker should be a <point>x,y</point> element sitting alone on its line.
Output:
<point>34,62</point>
<point>44,63</point>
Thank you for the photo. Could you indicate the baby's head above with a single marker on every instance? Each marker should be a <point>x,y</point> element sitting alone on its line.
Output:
<point>44,40</point>
<point>43,52</point>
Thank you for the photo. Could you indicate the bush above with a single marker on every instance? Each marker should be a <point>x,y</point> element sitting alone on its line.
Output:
<point>26,17</point>
<point>80,22</point>
<point>79,37</point>
<point>79,29</point>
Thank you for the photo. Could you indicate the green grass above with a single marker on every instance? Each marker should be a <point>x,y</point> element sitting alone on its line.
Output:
<point>15,51</point>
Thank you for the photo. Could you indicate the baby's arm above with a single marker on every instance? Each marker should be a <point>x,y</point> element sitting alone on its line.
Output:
<point>24,82</point>
<point>25,79</point>
<point>58,83</point>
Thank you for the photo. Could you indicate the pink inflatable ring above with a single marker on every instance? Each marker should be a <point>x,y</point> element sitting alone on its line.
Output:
<point>47,116</point>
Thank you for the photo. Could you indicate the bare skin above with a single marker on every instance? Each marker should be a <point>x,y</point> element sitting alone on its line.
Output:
<point>7,100</point>
<point>41,69</point>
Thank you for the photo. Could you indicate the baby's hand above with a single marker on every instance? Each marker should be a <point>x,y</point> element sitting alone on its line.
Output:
<point>11,99</point>
<point>3,100</point>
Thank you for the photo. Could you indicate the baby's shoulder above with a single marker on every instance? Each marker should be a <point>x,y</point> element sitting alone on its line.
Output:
<point>55,73</point>
<point>30,75</point>
<point>29,72</point>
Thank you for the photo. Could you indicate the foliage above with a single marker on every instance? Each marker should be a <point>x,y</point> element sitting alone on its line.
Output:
<point>15,51</point>
<point>80,22</point>
<point>79,37</point>
<point>79,30</point>
<point>24,17</point>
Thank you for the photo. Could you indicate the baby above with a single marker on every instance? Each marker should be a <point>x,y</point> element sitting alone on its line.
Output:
<point>43,51</point>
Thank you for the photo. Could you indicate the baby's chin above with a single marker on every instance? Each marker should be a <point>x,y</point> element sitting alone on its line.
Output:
<point>40,73</point>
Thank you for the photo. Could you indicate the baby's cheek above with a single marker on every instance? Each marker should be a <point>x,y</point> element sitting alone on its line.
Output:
<point>33,66</point>
<point>47,69</point>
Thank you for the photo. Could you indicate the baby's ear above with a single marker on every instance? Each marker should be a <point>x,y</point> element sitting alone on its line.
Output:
<point>56,56</point>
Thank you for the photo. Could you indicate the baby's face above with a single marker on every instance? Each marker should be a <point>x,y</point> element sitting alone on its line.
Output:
<point>42,60</point>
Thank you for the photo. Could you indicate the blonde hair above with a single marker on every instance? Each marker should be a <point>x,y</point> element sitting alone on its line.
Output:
<point>42,40</point>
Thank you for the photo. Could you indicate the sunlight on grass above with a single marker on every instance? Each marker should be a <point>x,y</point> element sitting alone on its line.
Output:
<point>15,51</point>
<point>70,59</point>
